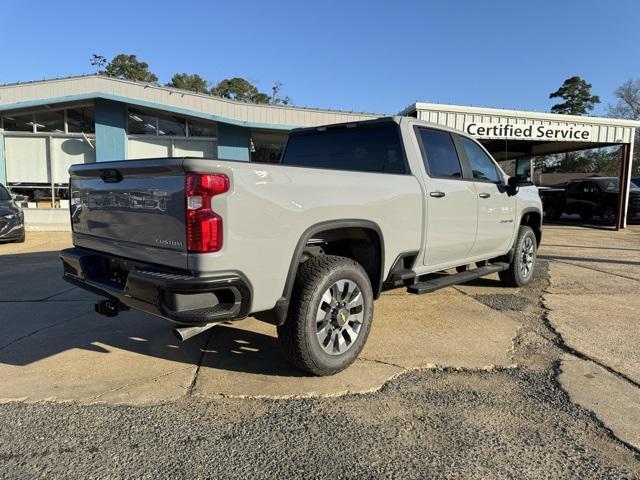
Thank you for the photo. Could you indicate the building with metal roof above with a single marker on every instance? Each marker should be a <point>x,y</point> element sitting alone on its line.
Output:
<point>47,125</point>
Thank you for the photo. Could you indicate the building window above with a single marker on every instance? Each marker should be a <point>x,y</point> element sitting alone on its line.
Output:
<point>202,129</point>
<point>50,121</point>
<point>18,123</point>
<point>81,120</point>
<point>146,122</point>
<point>141,123</point>
<point>172,126</point>
<point>72,120</point>
<point>266,147</point>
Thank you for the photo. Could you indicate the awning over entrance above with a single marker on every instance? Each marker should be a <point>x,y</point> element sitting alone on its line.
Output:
<point>513,134</point>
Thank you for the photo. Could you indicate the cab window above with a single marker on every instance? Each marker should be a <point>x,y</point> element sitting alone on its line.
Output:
<point>439,154</point>
<point>481,165</point>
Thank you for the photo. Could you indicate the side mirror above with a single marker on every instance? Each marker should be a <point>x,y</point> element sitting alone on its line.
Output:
<point>18,198</point>
<point>512,185</point>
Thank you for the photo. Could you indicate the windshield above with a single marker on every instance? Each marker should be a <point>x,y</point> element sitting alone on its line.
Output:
<point>613,185</point>
<point>4,194</point>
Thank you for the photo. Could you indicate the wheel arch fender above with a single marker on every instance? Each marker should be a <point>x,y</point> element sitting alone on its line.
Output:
<point>333,229</point>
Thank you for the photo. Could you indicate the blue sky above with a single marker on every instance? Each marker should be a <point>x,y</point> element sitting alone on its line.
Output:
<point>376,56</point>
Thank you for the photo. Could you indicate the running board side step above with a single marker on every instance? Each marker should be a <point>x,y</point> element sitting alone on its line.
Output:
<point>437,283</point>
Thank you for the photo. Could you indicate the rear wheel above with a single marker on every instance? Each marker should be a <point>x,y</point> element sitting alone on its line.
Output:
<point>329,317</point>
<point>608,216</point>
<point>521,268</point>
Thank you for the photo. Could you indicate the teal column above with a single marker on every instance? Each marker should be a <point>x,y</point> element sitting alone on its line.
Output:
<point>111,130</point>
<point>233,142</point>
<point>3,168</point>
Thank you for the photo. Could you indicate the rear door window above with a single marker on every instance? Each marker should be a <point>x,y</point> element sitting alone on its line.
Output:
<point>440,155</point>
<point>365,148</point>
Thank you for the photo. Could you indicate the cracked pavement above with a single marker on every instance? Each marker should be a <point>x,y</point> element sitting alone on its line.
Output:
<point>475,381</point>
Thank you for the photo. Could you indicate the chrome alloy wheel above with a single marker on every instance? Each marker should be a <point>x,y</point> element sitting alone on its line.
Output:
<point>339,317</point>
<point>527,255</point>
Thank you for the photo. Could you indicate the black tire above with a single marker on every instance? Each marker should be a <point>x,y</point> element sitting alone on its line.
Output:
<point>515,275</point>
<point>608,216</point>
<point>299,334</point>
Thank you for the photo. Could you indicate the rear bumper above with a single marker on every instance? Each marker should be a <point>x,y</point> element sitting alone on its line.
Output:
<point>170,294</point>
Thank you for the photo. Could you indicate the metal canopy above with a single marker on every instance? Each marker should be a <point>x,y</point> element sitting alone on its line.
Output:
<point>512,134</point>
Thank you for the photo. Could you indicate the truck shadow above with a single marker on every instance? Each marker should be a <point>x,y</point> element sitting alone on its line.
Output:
<point>42,317</point>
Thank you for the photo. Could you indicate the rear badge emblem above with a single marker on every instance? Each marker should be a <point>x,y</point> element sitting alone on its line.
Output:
<point>168,243</point>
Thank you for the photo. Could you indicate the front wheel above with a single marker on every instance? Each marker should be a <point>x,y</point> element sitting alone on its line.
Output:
<point>521,268</point>
<point>329,317</point>
<point>552,213</point>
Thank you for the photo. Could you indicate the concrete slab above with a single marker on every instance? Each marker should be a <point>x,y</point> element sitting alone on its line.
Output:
<point>593,305</point>
<point>19,320</point>
<point>445,329</point>
<point>613,400</point>
<point>602,327</point>
<point>569,279</point>
<point>31,270</point>
<point>599,249</point>
<point>244,360</point>
<point>38,242</point>
<point>132,359</point>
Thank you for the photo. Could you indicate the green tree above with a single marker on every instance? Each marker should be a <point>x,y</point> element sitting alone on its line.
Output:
<point>128,67</point>
<point>239,89</point>
<point>98,61</point>
<point>192,82</point>
<point>577,97</point>
<point>242,90</point>
<point>578,100</point>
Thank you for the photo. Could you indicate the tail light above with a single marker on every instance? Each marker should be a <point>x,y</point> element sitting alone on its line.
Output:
<point>204,226</point>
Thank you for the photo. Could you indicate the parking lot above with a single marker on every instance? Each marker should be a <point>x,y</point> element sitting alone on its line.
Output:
<point>472,381</point>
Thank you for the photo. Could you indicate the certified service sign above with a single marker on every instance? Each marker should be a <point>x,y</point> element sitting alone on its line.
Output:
<point>511,131</point>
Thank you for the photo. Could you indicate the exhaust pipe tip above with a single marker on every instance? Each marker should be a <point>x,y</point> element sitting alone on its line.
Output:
<point>185,333</point>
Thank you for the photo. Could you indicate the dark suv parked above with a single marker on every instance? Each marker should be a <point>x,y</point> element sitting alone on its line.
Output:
<point>11,218</point>
<point>590,197</point>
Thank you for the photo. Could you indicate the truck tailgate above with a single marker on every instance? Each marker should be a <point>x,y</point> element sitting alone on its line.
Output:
<point>132,208</point>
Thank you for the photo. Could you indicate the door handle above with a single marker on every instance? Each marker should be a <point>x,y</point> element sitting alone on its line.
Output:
<point>484,195</point>
<point>437,194</point>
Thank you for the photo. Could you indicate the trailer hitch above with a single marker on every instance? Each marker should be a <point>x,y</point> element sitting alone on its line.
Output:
<point>109,307</point>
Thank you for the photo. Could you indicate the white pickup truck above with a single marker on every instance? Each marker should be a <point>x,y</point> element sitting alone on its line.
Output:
<point>307,244</point>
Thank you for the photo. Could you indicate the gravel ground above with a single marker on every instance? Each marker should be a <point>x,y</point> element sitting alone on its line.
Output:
<point>503,302</point>
<point>430,424</point>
